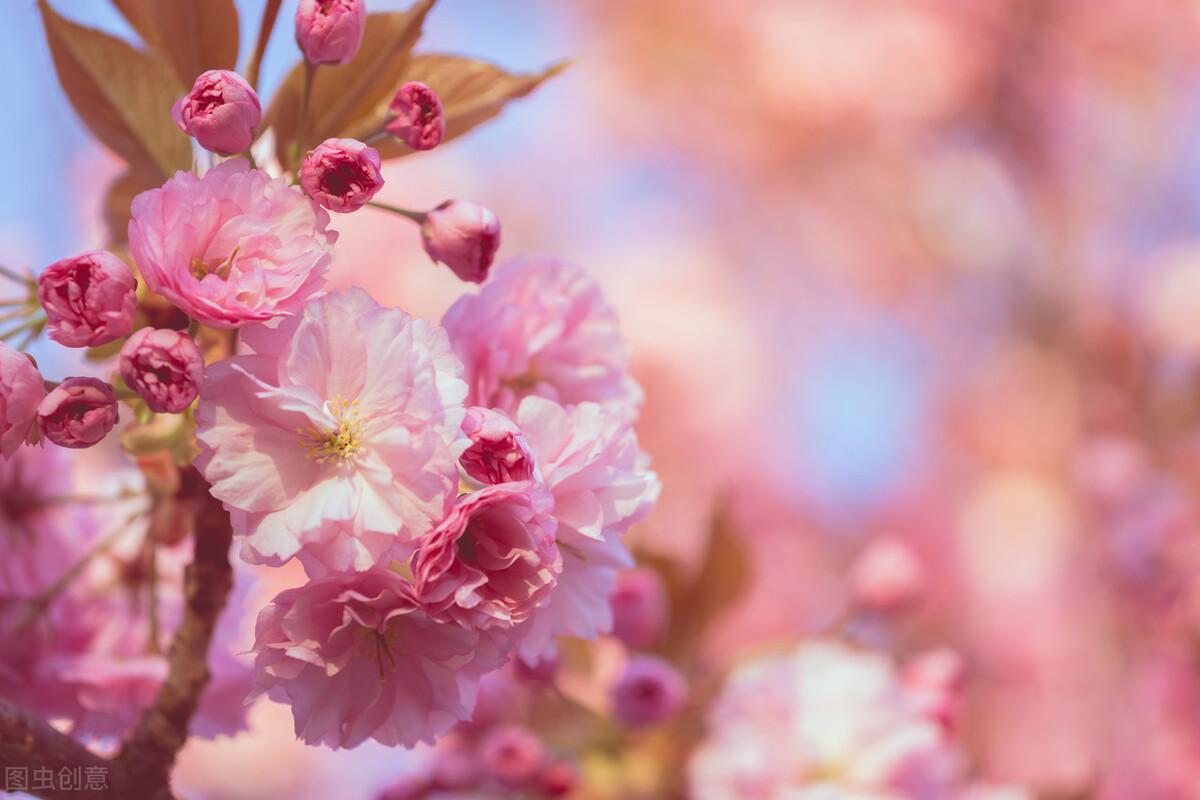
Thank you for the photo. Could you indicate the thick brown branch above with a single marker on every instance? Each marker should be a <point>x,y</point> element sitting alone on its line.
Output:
<point>143,767</point>
<point>29,744</point>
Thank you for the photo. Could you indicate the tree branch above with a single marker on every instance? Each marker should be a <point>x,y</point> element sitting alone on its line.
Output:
<point>29,743</point>
<point>142,768</point>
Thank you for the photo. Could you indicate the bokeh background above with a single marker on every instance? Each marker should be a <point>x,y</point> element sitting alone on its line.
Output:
<point>908,268</point>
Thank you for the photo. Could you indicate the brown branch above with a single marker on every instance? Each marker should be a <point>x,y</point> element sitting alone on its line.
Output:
<point>29,743</point>
<point>142,768</point>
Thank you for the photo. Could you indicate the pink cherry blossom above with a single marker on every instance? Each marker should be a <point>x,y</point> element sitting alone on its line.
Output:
<point>21,390</point>
<point>415,116</point>
<point>78,413</point>
<point>639,607</point>
<point>164,366</point>
<point>357,659</point>
<point>341,174</point>
<point>512,754</point>
<point>90,299</point>
<point>330,31</point>
<point>886,575</point>
<point>232,247</point>
<point>464,236</point>
<point>330,438</point>
<point>498,452</point>
<point>220,112</point>
<point>649,691</point>
<point>589,459</point>
<point>823,716</point>
<point>541,327</point>
<point>493,560</point>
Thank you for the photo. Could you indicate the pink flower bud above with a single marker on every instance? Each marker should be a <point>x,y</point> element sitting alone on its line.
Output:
<point>21,389</point>
<point>455,769</point>
<point>341,174</point>
<point>330,31</point>
<point>650,691</point>
<point>639,608</point>
<point>886,576</point>
<point>165,367</point>
<point>498,452</point>
<point>416,116</point>
<point>934,680</point>
<point>220,112</point>
<point>464,236</point>
<point>512,754</point>
<point>558,779</point>
<point>78,413</point>
<point>90,299</point>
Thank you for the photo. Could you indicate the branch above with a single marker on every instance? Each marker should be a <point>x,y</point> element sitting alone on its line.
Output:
<point>143,767</point>
<point>28,743</point>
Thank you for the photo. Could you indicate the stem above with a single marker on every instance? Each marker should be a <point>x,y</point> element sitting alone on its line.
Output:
<point>24,326</point>
<point>265,28</point>
<point>152,592</point>
<point>377,136</point>
<point>34,332</point>
<point>42,600</point>
<point>15,277</point>
<point>310,71</point>
<point>416,216</point>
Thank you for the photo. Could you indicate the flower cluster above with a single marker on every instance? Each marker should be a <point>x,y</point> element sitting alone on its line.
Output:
<point>441,538</point>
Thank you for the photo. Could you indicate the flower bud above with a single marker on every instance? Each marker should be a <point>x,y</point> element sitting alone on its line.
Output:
<point>513,755</point>
<point>220,112</point>
<point>455,769</point>
<point>464,236</point>
<point>639,607</point>
<point>498,452</point>
<point>90,299</point>
<point>21,389</point>
<point>649,691</point>
<point>165,367</point>
<point>330,31</point>
<point>416,116</point>
<point>341,174</point>
<point>934,680</point>
<point>886,576</point>
<point>558,779</point>
<point>78,413</point>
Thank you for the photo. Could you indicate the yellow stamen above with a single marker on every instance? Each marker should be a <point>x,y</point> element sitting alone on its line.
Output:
<point>337,444</point>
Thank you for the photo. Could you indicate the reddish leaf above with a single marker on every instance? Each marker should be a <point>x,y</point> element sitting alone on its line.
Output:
<point>123,95</point>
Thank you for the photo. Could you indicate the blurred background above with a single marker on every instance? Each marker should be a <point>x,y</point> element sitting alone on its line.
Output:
<point>914,269</point>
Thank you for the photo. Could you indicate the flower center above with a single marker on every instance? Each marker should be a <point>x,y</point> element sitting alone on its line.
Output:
<point>339,443</point>
<point>200,269</point>
<point>376,645</point>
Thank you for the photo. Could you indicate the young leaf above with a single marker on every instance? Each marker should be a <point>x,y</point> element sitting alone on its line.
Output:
<point>342,96</point>
<point>719,584</point>
<point>123,95</point>
<point>140,14</point>
<point>471,91</point>
<point>196,35</point>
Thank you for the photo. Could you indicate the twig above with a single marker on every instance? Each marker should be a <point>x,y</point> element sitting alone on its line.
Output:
<point>28,743</point>
<point>416,216</point>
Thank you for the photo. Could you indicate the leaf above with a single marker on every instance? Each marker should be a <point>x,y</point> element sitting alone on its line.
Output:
<point>722,578</point>
<point>472,92</point>
<point>117,200</point>
<point>195,35</point>
<point>123,95</point>
<point>343,96</point>
<point>139,14</point>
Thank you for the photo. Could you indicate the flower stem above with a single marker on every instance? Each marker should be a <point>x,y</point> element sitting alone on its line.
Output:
<point>310,72</point>
<point>15,277</point>
<point>416,216</point>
